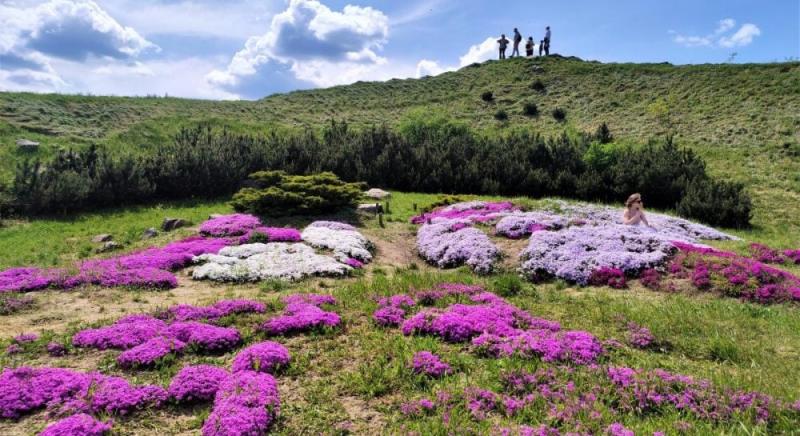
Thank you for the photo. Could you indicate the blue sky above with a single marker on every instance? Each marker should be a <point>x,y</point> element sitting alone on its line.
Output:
<point>246,49</point>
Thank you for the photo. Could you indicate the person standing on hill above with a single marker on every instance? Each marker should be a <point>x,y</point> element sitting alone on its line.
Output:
<point>517,40</point>
<point>503,44</point>
<point>529,47</point>
<point>547,40</point>
<point>541,47</point>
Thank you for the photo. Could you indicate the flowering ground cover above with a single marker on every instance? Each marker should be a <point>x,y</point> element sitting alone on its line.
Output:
<point>452,243</point>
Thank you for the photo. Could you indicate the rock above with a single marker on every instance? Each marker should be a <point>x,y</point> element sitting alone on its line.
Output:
<point>27,144</point>
<point>170,224</point>
<point>214,215</point>
<point>108,246</point>
<point>370,208</point>
<point>103,237</point>
<point>377,194</point>
<point>150,233</point>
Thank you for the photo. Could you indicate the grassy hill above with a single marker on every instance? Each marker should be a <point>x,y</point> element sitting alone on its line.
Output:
<point>743,119</point>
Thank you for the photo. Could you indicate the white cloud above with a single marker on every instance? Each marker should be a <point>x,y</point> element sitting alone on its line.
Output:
<point>427,67</point>
<point>480,52</point>
<point>720,37</point>
<point>317,44</point>
<point>744,36</point>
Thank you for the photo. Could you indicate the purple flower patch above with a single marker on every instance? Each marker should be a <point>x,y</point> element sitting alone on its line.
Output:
<point>229,225</point>
<point>265,356</point>
<point>196,383</point>
<point>427,363</point>
<point>272,234</point>
<point>77,425</point>
<point>300,317</point>
<point>246,403</point>
<point>150,352</point>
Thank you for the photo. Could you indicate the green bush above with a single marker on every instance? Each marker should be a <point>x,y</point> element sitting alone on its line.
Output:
<point>501,115</point>
<point>274,193</point>
<point>487,96</point>
<point>442,200</point>
<point>538,86</point>
<point>603,134</point>
<point>530,109</point>
<point>716,202</point>
<point>559,114</point>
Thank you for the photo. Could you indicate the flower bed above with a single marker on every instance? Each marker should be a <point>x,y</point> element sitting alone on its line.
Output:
<point>477,211</point>
<point>220,309</point>
<point>441,245</point>
<point>301,316</point>
<point>521,224</point>
<point>196,383</point>
<point>24,390</point>
<point>78,425</point>
<point>229,225</point>
<point>150,352</point>
<point>575,253</point>
<point>265,356</point>
<point>246,403</point>
<point>344,243</point>
<point>427,363</point>
<point>271,234</point>
<point>254,262</point>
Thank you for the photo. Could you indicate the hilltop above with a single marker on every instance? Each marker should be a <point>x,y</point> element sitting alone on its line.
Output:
<point>744,119</point>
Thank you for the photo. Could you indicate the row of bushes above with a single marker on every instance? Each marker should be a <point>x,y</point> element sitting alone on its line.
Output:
<point>424,155</point>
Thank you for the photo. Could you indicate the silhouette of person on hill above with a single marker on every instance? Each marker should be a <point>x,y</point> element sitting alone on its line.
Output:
<point>503,44</point>
<point>529,47</point>
<point>547,40</point>
<point>517,40</point>
<point>541,47</point>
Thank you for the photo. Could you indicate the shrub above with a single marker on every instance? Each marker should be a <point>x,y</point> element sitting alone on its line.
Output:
<point>442,200</point>
<point>716,202</point>
<point>559,114</point>
<point>487,96</point>
<point>530,109</point>
<point>275,194</point>
<point>501,115</point>
<point>603,134</point>
<point>538,86</point>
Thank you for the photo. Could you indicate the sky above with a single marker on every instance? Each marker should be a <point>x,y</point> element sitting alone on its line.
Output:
<point>248,49</point>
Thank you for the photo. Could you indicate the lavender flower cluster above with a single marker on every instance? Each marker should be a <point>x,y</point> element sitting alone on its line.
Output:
<point>520,224</point>
<point>574,253</point>
<point>246,403</point>
<point>392,310</point>
<point>476,211</point>
<point>12,303</point>
<point>229,225</point>
<point>446,246</point>
<point>196,383</point>
<point>24,390</point>
<point>302,313</point>
<point>265,356</point>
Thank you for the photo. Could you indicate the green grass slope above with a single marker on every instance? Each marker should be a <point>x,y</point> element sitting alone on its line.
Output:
<point>743,118</point>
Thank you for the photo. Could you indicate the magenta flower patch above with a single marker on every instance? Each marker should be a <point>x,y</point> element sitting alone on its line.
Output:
<point>127,332</point>
<point>301,317</point>
<point>229,225</point>
<point>150,352</point>
<point>204,337</point>
<point>78,425</point>
<point>427,363</point>
<point>272,234</point>
<point>607,276</point>
<point>265,356</point>
<point>246,403</point>
<point>220,309</point>
<point>197,383</point>
<point>478,211</point>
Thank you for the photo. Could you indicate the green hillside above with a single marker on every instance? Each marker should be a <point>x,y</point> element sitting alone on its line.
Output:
<point>743,119</point>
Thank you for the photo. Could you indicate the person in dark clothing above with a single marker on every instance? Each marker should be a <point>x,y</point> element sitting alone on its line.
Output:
<point>517,40</point>
<point>541,47</point>
<point>503,44</point>
<point>547,40</point>
<point>529,47</point>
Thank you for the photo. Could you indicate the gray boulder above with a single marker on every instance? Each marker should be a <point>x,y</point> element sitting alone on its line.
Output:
<point>103,237</point>
<point>170,224</point>
<point>108,246</point>
<point>370,208</point>
<point>149,233</point>
<point>378,194</point>
<point>27,144</point>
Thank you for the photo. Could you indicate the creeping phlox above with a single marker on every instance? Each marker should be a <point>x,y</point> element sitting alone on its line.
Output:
<point>474,211</point>
<point>78,425</point>
<point>236,224</point>
<point>449,243</point>
<point>271,234</point>
<point>288,261</point>
<point>496,328</point>
<point>586,400</point>
<point>147,339</point>
<point>427,363</point>
<point>196,383</point>
<point>302,313</point>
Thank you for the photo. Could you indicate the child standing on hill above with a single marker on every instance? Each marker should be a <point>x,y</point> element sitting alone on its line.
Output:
<point>503,44</point>
<point>529,47</point>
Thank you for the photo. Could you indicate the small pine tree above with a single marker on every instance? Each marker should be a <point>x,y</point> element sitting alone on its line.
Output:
<point>603,134</point>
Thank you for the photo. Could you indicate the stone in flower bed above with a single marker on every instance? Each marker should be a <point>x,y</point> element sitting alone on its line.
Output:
<point>254,262</point>
<point>446,246</point>
<point>78,425</point>
<point>196,383</point>
<point>345,243</point>
<point>301,317</point>
<point>235,224</point>
<point>247,403</point>
<point>575,253</point>
<point>427,363</point>
<point>498,328</point>
<point>25,390</point>
<point>476,211</point>
<point>264,356</point>
<point>271,234</point>
<point>729,274</point>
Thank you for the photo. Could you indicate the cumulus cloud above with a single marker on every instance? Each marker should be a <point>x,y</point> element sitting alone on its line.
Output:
<point>319,45</point>
<point>427,67</point>
<point>721,36</point>
<point>480,52</point>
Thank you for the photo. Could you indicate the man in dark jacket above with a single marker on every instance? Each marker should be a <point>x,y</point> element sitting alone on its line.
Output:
<point>517,40</point>
<point>503,44</point>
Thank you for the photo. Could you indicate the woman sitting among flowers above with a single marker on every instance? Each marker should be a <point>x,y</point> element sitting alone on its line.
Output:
<point>634,212</point>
